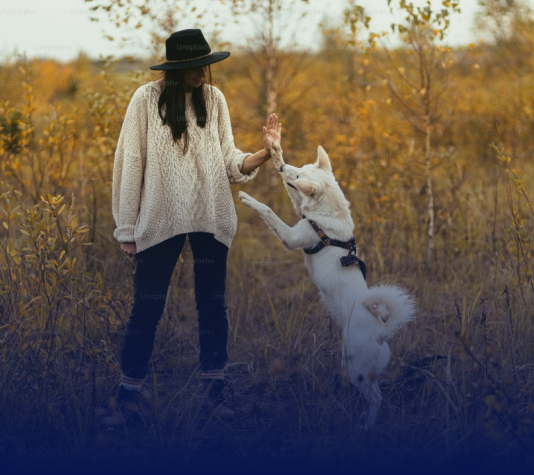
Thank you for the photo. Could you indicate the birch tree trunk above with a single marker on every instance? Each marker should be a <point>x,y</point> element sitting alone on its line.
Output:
<point>430,205</point>
<point>270,72</point>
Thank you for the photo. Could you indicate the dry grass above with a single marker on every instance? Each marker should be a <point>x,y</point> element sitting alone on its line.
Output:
<point>459,388</point>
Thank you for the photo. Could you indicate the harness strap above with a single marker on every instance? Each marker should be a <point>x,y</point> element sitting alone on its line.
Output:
<point>352,257</point>
<point>351,243</point>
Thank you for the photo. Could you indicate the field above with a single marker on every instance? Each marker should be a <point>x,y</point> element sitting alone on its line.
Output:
<point>458,392</point>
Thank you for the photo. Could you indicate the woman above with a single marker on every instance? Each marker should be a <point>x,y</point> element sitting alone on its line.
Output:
<point>174,163</point>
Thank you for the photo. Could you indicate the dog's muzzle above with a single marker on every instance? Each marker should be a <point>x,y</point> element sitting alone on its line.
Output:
<point>292,186</point>
<point>288,184</point>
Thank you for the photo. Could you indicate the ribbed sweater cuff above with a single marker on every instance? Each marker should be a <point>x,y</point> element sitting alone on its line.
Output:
<point>237,176</point>
<point>124,233</point>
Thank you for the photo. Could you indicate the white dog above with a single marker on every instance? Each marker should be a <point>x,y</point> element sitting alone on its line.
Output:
<point>368,316</point>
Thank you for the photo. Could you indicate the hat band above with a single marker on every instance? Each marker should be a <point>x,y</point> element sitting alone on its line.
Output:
<point>189,59</point>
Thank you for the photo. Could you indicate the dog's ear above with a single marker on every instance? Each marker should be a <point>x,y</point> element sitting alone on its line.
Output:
<point>322,160</point>
<point>307,187</point>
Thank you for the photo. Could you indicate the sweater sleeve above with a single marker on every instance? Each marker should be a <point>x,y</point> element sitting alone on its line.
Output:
<point>233,157</point>
<point>128,168</point>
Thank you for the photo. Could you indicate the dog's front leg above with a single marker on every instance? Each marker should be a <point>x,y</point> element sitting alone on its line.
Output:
<point>292,237</point>
<point>277,160</point>
<point>277,155</point>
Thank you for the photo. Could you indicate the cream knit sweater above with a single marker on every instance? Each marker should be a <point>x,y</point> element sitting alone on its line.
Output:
<point>158,192</point>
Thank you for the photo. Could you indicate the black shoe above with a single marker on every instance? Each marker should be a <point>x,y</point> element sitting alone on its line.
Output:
<point>214,400</point>
<point>129,403</point>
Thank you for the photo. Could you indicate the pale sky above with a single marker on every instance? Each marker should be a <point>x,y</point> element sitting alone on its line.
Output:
<point>61,28</point>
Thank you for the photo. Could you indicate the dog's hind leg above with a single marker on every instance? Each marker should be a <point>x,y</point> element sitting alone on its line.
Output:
<point>366,360</point>
<point>371,392</point>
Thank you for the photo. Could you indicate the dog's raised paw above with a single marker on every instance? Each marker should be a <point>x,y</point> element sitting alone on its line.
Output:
<point>246,199</point>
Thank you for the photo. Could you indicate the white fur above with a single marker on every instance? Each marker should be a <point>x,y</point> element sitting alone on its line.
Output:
<point>368,316</point>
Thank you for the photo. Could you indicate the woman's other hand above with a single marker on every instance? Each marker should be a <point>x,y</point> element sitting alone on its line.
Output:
<point>129,248</point>
<point>272,131</point>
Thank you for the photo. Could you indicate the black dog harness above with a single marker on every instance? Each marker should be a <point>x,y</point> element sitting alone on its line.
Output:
<point>350,258</point>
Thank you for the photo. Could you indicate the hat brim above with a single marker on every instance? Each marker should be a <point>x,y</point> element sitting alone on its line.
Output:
<point>213,58</point>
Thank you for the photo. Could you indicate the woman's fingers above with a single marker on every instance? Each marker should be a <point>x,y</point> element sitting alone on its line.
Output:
<point>271,121</point>
<point>267,133</point>
<point>275,121</point>
<point>272,130</point>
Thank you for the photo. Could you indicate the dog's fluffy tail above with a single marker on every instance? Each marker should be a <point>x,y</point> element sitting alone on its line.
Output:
<point>391,305</point>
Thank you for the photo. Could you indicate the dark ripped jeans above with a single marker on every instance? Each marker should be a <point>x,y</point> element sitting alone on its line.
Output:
<point>154,268</point>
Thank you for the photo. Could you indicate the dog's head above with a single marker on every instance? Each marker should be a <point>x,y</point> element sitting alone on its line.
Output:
<point>313,186</point>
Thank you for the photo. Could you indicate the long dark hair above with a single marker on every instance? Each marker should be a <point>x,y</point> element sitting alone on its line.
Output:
<point>173,97</point>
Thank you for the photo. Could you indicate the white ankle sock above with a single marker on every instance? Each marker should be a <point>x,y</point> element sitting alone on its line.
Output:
<point>212,374</point>
<point>132,384</point>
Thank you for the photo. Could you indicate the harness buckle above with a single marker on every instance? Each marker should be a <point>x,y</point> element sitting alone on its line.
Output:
<point>348,260</point>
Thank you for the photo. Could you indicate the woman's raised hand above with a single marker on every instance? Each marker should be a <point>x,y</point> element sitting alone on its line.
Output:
<point>272,132</point>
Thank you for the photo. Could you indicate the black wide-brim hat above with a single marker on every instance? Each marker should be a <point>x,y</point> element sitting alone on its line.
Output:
<point>188,49</point>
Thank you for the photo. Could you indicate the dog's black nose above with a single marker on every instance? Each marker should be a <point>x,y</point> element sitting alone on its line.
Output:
<point>282,168</point>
